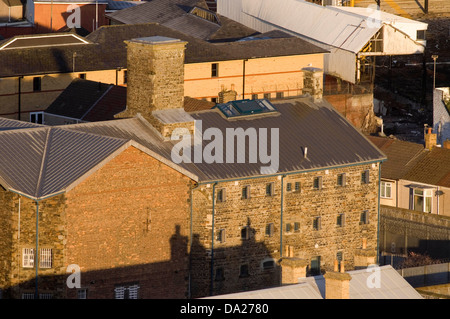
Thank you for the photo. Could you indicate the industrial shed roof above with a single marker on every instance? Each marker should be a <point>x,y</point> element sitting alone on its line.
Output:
<point>345,28</point>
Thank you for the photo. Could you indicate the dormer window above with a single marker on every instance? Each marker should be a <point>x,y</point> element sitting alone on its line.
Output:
<point>205,14</point>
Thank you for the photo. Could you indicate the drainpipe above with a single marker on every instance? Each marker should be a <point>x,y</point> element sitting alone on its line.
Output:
<point>281,216</point>
<point>20,97</point>
<point>36,260</point>
<point>212,239</point>
<point>190,241</point>
<point>243,78</point>
<point>378,222</point>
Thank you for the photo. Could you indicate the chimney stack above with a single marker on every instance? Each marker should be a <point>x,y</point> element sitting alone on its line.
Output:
<point>292,269</point>
<point>337,284</point>
<point>364,256</point>
<point>430,139</point>
<point>155,86</point>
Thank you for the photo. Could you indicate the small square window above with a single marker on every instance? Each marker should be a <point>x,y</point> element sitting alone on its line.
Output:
<point>37,84</point>
<point>365,177</point>
<point>245,233</point>
<point>125,77</point>
<point>364,217</point>
<point>421,34</point>
<point>45,258</point>
<point>269,230</point>
<point>269,189</point>
<point>280,95</point>
<point>221,195</point>
<point>82,76</point>
<point>269,264</point>
<point>221,236</point>
<point>37,117</point>
<point>318,182</point>
<point>215,70</point>
<point>267,96</point>
<point>341,179</point>
<point>254,96</point>
<point>340,220</point>
<point>82,293</point>
<point>243,271</point>
<point>28,258</point>
<point>316,223</point>
<point>289,187</point>
<point>214,99</point>
<point>288,228</point>
<point>245,192</point>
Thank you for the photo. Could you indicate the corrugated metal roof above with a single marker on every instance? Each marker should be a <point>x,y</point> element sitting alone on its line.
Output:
<point>327,26</point>
<point>331,140</point>
<point>321,23</point>
<point>392,284</point>
<point>298,291</point>
<point>8,124</point>
<point>42,161</point>
<point>39,162</point>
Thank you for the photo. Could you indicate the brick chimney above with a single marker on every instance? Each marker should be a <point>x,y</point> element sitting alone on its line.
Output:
<point>337,284</point>
<point>292,268</point>
<point>364,256</point>
<point>155,86</point>
<point>430,139</point>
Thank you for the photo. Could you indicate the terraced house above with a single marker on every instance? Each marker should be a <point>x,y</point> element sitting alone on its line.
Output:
<point>114,198</point>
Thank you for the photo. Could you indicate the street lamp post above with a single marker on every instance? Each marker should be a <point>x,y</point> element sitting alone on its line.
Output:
<point>434,57</point>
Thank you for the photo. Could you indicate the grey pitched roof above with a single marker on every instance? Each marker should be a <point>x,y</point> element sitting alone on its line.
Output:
<point>393,286</point>
<point>331,140</point>
<point>297,291</point>
<point>40,162</point>
<point>9,124</point>
<point>106,50</point>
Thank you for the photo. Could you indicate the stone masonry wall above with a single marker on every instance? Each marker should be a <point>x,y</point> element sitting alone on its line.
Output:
<point>155,76</point>
<point>259,210</point>
<point>18,279</point>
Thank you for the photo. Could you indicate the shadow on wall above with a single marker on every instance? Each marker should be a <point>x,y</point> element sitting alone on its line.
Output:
<point>168,279</point>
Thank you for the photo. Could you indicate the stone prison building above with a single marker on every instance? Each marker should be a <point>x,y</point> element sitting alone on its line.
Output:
<point>109,197</point>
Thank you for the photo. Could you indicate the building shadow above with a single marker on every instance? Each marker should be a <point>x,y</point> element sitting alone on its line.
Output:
<point>191,272</point>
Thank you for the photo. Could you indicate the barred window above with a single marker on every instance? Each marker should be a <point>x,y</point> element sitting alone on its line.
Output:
<point>297,186</point>
<point>221,195</point>
<point>289,187</point>
<point>341,179</point>
<point>269,230</point>
<point>316,223</point>
<point>126,292</point>
<point>28,295</point>
<point>28,258</point>
<point>221,236</point>
<point>365,177</point>
<point>45,258</point>
<point>296,226</point>
<point>269,189</point>
<point>340,220</point>
<point>46,296</point>
<point>82,293</point>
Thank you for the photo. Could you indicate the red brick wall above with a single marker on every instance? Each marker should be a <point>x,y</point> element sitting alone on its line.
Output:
<point>128,223</point>
<point>59,14</point>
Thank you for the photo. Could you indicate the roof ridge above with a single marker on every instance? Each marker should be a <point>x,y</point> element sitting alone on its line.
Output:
<point>96,102</point>
<point>43,162</point>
